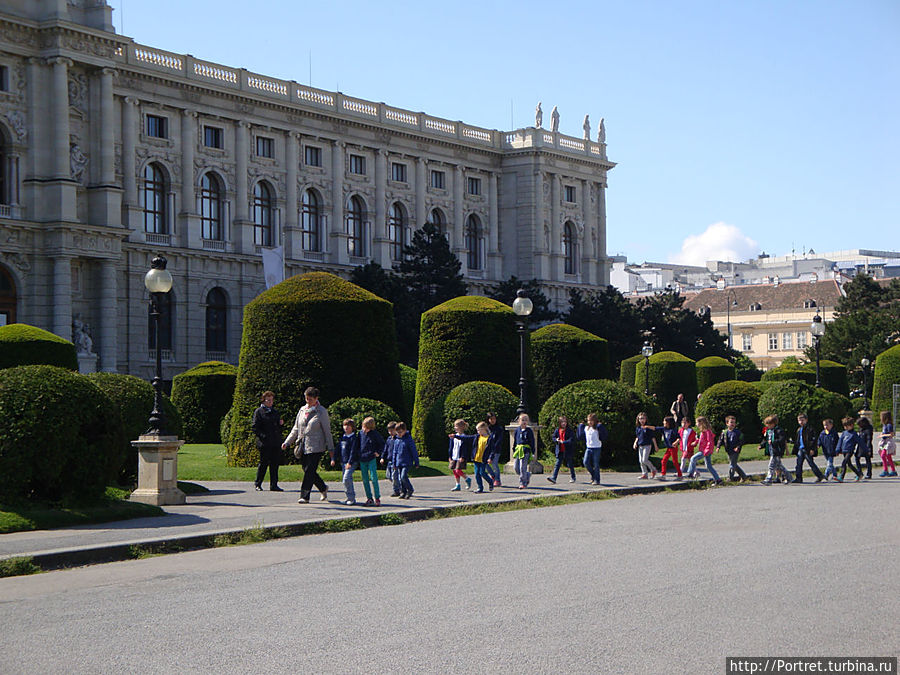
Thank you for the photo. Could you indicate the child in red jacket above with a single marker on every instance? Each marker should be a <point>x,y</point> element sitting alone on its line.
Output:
<point>687,440</point>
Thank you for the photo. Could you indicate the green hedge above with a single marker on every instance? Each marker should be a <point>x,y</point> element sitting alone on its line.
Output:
<point>464,339</point>
<point>832,376</point>
<point>562,354</point>
<point>789,398</point>
<point>712,370</point>
<point>472,401</point>
<point>132,397</point>
<point>790,371</point>
<point>616,406</point>
<point>670,374</point>
<point>60,435</point>
<point>733,397</point>
<point>313,329</point>
<point>358,409</point>
<point>22,345</point>
<point>887,374</point>
<point>627,368</point>
<point>203,395</point>
<point>408,384</point>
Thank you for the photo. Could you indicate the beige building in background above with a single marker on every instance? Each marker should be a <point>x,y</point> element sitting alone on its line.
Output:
<point>112,152</point>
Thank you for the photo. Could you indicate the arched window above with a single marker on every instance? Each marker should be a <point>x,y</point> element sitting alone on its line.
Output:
<point>211,194</point>
<point>166,311</point>
<point>570,246</point>
<point>7,298</point>
<point>473,242</point>
<point>263,215</point>
<point>155,216</point>
<point>439,220</point>
<point>216,321</point>
<point>356,223</point>
<point>396,229</point>
<point>310,221</point>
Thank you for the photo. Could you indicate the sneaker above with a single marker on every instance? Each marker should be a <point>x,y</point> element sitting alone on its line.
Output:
<point>819,479</point>
<point>455,488</point>
<point>478,491</point>
<point>521,487</point>
<point>468,483</point>
<point>696,474</point>
<point>259,487</point>
<point>496,483</point>
<point>377,502</point>
<point>324,496</point>
<point>662,476</point>
<point>766,481</point>
<point>552,480</point>
<point>571,480</point>
<point>858,478</point>
<point>369,502</point>
<point>396,494</point>
<point>350,502</point>
<point>593,482</point>
<point>490,486</point>
<point>652,474</point>
<point>275,488</point>
<point>892,474</point>
<point>643,477</point>
<point>883,474</point>
<point>839,479</point>
<point>303,500</point>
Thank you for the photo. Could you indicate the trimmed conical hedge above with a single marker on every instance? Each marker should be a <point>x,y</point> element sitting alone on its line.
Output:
<point>887,374</point>
<point>562,354</point>
<point>313,329</point>
<point>670,374</point>
<point>24,345</point>
<point>712,370</point>
<point>627,368</point>
<point>203,395</point>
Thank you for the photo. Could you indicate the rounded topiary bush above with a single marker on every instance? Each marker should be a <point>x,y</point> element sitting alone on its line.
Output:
<point>562,354</point>
<point>464,339</point>
<point>616,406</point>
<point>22,345</point>
<point>790,371</point>
<point>712,370</point>
<point>313,329</point>
<point>203,395</point>
<point>358,409</point>
<point>132,398</point>
<point>408,384</point>
<point>887,374</point>
<point>670,374</point>
<point>789,398</point>
<point>832,376</point>
<point>472,401</point>
<point>832,405</point>
<point>60,435</point>
<point>627,368</point>
<point>733,397</point>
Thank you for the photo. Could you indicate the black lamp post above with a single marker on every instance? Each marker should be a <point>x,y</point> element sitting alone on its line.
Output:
<point>864,362</point>
<point>818,330</point>
<point>158,282</point>
<point>522,306</point>
<point>728,306</point>
<point>647,351</point>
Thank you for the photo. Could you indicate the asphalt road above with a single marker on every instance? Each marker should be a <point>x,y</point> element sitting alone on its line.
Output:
<point>669,583</point>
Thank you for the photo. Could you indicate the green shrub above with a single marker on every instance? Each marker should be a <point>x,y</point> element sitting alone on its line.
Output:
<point>745,369</point>
<point>464,339</point>
<point>203,395</point>
<point>789,398</point>
<point>562,354</point>
<point>358,409</point>
<point>408,384</point>
<point>616,406</point>
<point>627,368</point>
<point>790,371</point>
<point>313,329</point>
<point>132,397</point>
<point>832,376</point>
<point>887,374</point>
<point>712,370</point>
<point>472,401</point>
<point>670,374</point>
<point>831,404</point>
<point>22,345</point>
<point>60,435</point>
<point>733,397</point>
<point>225,424</point>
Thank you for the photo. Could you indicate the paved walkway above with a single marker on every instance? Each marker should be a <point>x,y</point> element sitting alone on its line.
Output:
<point>232,507</point>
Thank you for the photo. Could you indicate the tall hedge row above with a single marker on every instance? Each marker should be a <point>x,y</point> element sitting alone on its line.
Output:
<point>408,385</point>
<point>203,395</point>
<point>22,345</point>
<point>314,329</point>
<point>832,376</point>
<point>670,374</point>
<point>789,398</point>
<point>887,374</point>
<point>733,397</point>
<point>562,354</point>
<point>357,409</point>
<point>712,370</point>
<point>790,371</point>
<point>627,368</point>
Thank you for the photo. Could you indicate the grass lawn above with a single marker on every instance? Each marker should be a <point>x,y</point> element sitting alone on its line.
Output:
<point>113,506</point>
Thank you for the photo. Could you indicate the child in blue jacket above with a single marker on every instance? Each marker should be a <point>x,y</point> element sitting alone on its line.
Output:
<point>386,455</point>
<point>847,445</point>
<point>524,446</point>
<point>828,440</point>
<point>348,454</point>
<point>404,456</point>
<point>495,445</point>
<point>371,445</point>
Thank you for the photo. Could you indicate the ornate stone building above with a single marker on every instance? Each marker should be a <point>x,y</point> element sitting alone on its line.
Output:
<point>112,152</point>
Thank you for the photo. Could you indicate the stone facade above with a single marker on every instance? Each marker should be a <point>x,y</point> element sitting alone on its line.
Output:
<point>112,152</point>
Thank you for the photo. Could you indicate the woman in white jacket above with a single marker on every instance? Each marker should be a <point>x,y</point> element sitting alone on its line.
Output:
<point>312,429</point>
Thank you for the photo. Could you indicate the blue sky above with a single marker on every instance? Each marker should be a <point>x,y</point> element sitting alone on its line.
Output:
<point>776,122</point>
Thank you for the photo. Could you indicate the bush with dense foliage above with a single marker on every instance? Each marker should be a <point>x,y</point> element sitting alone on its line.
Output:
<point>712,370</point>
<point>203,395</point>
<point>733,397</point>
<point>789,398</point>
<point>616,406</point>
<point>670,374</point>
<point>562,354</point>
<point>472,401</point>
<point>132,397</point>
<point>22,345</point>
<point>60,435</point>
<point>887,374</point>
<point>314,329</point>
<point>464,339</point>
<point>408,384</point>
<point>358,409</point>
<point>832,376</point>
<point>627,369</point>
<point>790,371</point>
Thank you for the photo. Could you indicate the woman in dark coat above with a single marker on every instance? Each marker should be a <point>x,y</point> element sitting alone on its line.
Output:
<point>267,423</point>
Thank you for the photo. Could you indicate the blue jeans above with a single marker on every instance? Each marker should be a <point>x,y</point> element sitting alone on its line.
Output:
<point>348,482</point>
<point>709,465</point>
<point>521,467</point>
<point>592,463</point>
<point>829,467</point>
<point>401,480</point>
<point>370,469</point>
<point>567,456</point>
<point>483,471</point>
<point>494,463</point>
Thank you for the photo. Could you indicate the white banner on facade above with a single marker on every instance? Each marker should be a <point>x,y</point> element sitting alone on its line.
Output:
<point>273,265</point>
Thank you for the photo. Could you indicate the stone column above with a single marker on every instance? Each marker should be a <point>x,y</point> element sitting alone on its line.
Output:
<point>62,296</point>
<point>60,116</point>
<point>37,167</point>
<point>381,249</point>
<point>421,187</point>
<point>539,252</point>
<point>242,232</point>
<point>457,238</point>
<point>557,263</point>
<point>603,262</point>
<point>129,141</point>
<point>109,317</point>
<point>338,253</point>
<point>291,221</point>
<point>588,260</point>
<point>495,259</point>
<point>107,128</point>
<point>189,234</point>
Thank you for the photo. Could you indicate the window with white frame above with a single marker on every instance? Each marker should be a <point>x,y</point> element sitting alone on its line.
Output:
<point>396,227</point>
<point>802,340</point>
<point>263,215</point>
<point>746,342</point>
<point>356,222</point>
<point>155,188</point>
<point>787,340</point>
<point>773,342</point>
<point>310,221</point>
<point>211,196</point>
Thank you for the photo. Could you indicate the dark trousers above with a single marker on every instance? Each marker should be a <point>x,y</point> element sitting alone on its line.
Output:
<point>269,458</point>
<point>848,461</point>
<point>567,456</point>
<point>310,464</point>
<point>803,457</point>
<point>867,458</point>
<point>733,468</point>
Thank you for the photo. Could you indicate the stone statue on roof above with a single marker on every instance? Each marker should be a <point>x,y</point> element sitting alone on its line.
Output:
<point>554,120</point>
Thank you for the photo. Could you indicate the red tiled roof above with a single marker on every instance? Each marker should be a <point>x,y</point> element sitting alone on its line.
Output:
<point>769,296</point>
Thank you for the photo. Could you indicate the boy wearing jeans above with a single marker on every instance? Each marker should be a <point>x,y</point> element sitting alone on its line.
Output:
<point>775,441</point>
<point>828,439</point>
<point>349,458</point>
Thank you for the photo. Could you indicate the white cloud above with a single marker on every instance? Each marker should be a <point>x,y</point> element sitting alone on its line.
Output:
<point>720,241</point>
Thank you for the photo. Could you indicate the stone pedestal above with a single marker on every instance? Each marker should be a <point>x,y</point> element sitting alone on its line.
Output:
<point>158,470</point>
<point>87,363</point>
<point>534,466</point>
<point>867,414</point>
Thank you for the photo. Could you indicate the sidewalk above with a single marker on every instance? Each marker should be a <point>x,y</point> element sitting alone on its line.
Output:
<point>233,507</point>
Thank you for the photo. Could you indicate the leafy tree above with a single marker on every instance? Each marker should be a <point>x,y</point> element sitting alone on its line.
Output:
<point>745,369</point>
<point>676,329</point>
<point>506,293</point>
<point>609,315</point>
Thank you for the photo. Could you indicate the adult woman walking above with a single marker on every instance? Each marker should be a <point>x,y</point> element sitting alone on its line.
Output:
<point>267,425</point>
<point>312,430</point>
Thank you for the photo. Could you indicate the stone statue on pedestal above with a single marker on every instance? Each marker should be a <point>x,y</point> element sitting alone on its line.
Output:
<point>587,127</point>
<point>81,337</point>
<point>538,116</point>
<point>554,120</point>
<point>601,132</point>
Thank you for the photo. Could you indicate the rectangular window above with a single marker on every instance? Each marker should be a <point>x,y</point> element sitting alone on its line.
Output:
<point>787,340</point>
<point>4,78</point>
<point>801,339</point>
<point>747,342</point>
<point>358,164</point>
<point>474,185</point>
<point>212,137</point>
<point>570,194</point>
<point>773,342</point>
<point>265,147</point>
<point>312,156</point>
<point>437,180</point>
<point>157,126</point>
<point>398,172</point>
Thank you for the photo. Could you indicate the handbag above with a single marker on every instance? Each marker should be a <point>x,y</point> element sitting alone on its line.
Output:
<point>298,449</point>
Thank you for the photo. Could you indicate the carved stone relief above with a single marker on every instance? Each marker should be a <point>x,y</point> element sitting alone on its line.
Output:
<point>17,121</point>
<point>77,91</point>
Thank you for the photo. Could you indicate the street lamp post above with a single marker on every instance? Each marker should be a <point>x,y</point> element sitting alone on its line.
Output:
<point>158,282</point>
<point>522,306</point>
<point>647,351</point>
<point>864,362</point>
<point>728,306</point>
<point>818,330</point>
